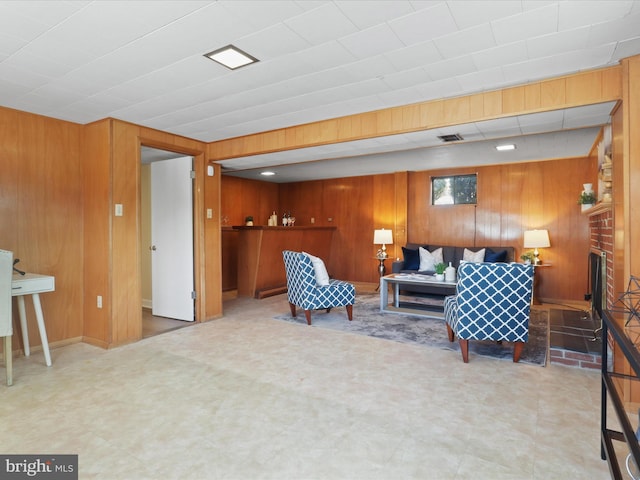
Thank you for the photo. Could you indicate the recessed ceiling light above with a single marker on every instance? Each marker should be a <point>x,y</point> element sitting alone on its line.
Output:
<point>231,57</point>
<point>267,174</point>
<point>504,148</point>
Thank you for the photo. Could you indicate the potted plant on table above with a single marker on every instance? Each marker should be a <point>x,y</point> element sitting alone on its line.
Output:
<point>440,268</point>
<point>248,221</point>
<point>528,257</point>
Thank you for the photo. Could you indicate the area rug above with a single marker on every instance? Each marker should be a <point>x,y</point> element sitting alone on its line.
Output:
<point>429,332</point>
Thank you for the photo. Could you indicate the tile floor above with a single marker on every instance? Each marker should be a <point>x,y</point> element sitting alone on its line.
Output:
<point>249,397</point>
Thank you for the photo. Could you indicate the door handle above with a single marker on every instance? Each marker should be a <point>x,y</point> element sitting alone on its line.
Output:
<point>152,248</point>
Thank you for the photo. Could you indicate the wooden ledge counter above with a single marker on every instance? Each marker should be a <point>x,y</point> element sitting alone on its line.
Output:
<point>260,266</point>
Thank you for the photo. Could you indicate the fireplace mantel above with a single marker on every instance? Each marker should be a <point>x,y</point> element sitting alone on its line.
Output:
<point>598,208</point>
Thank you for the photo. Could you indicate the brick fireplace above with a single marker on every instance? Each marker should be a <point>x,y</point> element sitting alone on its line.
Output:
<point>601,244</point>
<point>600,284</point>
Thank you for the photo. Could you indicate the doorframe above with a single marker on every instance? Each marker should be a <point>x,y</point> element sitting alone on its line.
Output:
<point>198,214</point>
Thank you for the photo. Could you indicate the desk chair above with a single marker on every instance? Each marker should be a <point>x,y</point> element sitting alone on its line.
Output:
<point>6,320</point>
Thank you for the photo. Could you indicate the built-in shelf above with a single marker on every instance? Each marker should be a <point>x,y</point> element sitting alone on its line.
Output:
<point>598,208</point>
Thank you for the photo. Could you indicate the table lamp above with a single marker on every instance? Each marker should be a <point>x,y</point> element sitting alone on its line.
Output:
<point>382,237</point>
<point>536,239</point>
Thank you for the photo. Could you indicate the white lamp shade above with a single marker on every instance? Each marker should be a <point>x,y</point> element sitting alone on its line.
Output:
<point>382,237</point>
<point>536,239</point>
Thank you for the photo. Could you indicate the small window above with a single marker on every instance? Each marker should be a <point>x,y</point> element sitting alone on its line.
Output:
<point>454,190</point>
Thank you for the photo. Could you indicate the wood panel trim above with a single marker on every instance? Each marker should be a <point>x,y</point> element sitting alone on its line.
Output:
<point>124,321</point>
<point>583,88</point>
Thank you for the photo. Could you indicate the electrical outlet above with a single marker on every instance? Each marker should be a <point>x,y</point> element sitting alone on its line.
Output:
<point>99,301</point>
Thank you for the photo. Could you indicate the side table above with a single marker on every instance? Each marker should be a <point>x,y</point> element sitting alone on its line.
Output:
<point>382,269</point>
<point>535,300</point>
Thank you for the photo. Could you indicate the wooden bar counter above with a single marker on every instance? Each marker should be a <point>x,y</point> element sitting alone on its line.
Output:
<point>260,266</point>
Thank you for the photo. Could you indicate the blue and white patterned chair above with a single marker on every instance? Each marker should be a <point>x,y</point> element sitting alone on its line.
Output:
<point>303,290</point>
<point>492,302</point>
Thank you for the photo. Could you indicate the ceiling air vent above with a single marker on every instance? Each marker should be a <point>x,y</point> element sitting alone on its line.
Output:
<point>451,138</point>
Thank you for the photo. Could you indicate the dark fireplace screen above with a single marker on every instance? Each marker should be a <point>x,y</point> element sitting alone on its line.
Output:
<point>598,283</point>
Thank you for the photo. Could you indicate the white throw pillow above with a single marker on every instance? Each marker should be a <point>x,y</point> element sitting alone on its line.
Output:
<point>428,260</point>
<point>475,257</point>
<point>322,277</point>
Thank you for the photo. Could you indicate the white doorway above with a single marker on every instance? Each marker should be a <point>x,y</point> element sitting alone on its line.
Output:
<point>168,240</point>
<point>172,239</point>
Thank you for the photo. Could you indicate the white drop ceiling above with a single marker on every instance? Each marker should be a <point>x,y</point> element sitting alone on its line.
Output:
<point>142,62</point>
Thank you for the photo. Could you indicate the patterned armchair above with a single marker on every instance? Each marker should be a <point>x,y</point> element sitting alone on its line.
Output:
<point>303,289</point>
<point>492,302</point>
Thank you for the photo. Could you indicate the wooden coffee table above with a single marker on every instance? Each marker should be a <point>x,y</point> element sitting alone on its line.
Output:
<point>396,280</point>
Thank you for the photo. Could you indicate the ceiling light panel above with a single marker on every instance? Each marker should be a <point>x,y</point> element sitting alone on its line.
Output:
<point>505,148</point>
<point>231,57</point>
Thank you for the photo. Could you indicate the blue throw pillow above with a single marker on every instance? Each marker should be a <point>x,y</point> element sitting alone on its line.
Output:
<point>411,259</point>
<point>494,257</point>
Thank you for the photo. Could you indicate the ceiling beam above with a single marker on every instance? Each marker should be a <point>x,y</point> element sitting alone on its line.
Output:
<point>586,88</point>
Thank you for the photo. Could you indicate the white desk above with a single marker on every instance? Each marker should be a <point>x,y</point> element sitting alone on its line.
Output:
<point>32,284</point>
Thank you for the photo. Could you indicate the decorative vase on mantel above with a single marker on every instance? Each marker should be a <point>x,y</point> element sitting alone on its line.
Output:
<point>587,197</point>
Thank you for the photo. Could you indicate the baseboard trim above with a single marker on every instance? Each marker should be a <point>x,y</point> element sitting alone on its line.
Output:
<point>270,292</point>
<point>95,342</point>
<point>52,345</point>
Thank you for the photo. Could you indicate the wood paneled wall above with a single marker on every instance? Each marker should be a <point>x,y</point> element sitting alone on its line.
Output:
<point>41,193</point>
<point>229,258</point>
<point>58,188</point>
<point>356,206</point>
<point>113,242</point>
<point>628,143</point>
<point>511,198</point>
<point>240,198</point>
<point>97,200</point>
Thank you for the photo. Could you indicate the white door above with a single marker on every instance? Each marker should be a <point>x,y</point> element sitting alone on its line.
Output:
<point>172,239</point>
